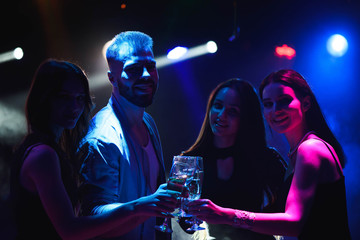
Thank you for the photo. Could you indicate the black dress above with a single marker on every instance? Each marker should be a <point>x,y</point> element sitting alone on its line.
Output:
<point>328,215</point>
<point>32,222</point>
<point>244,189</point>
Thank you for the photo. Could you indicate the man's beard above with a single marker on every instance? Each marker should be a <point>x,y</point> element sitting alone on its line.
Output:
<point>140,100</point>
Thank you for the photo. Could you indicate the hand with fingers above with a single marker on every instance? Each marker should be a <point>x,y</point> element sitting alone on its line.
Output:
<point>208,211</point>
<point>159,204</point>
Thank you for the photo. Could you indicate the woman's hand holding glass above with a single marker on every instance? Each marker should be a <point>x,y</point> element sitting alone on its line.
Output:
<point>194,186</point>
<point>208,211</point>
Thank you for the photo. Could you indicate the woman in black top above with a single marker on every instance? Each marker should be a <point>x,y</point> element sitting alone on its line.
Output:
<point>316,202</point>
<point>239,168</point>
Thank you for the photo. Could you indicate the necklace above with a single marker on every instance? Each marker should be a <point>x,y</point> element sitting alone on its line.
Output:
<point>292,151</point>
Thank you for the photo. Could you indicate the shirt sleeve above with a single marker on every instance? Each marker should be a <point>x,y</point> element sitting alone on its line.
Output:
<point>100,175</point>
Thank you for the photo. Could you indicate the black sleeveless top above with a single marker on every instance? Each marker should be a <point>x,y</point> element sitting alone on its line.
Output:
<point>248,179</point>
<point>32,222</point>
<point>328,215</point>
<point>244,189</point>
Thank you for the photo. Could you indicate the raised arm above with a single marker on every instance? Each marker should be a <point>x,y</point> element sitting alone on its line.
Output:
<point>308,166</point>
<point>41,174</point>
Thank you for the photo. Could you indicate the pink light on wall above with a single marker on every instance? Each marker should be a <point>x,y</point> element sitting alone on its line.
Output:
<point>285,51</point>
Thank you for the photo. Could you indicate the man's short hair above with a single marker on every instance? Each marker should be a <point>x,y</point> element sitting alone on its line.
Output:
<point>125,43</point>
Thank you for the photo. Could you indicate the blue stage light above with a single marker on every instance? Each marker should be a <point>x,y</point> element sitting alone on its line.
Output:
<point>177,53</point>
<point>337,45</point>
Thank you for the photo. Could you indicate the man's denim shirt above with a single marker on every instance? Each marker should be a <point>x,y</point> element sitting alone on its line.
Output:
<point>111,168</point>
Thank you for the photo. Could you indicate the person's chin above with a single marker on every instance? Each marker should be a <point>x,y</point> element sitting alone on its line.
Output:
<point>145,101</point>
<point>218,132</point>
<point>280,129</point>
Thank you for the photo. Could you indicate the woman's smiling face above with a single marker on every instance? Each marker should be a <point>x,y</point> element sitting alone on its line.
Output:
<point>224,115</point>
<point>283,110</point>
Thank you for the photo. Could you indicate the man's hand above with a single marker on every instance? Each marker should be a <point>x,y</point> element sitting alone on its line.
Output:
<point>159,204</point>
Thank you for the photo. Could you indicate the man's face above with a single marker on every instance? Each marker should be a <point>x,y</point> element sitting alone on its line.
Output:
<point>137,79</point>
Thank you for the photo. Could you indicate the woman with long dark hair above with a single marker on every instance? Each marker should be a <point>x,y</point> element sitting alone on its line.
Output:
<point>239,167</point>
<point>316,202</point>
<point>44,173</point>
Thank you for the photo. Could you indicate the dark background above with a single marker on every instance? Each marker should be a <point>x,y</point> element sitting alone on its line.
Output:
<point>76,30</point>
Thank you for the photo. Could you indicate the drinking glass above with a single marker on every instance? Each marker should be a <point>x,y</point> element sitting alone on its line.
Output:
<point>182,169</point>
<point>194,186</point>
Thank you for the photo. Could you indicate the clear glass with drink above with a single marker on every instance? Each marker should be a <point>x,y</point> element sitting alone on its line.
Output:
<point>183,169</point>
<point>194,186</point>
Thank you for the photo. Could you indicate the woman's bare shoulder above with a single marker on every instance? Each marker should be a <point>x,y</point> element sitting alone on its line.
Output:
<point>41,157</point>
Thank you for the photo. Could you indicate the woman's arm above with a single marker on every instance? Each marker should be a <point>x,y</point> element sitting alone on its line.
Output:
<point>298,203</point>
<point>42,170</point>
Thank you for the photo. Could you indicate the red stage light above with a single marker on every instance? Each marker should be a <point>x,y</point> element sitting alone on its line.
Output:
<point>285,51</point>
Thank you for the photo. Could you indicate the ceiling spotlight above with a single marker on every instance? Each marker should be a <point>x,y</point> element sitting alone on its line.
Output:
<point>337,45</point>
<point>18,53</point>
<point>177,53</point>
<point>211,46</point>
<point>15,54</point>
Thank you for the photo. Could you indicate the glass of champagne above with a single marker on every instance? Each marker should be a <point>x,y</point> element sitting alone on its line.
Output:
<point>181,170</point>
<point>194,187</point>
